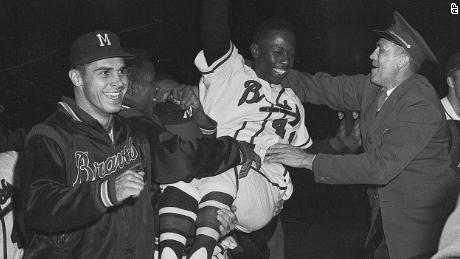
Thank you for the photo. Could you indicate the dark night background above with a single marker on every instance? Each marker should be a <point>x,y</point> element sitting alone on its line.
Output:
<point>332,35</point>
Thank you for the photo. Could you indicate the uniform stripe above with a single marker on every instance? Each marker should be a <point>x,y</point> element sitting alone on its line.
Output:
<point>235,169</point>
<point>307,142</point>
<point>210,232</point>
<point>172,236</point>
<point>70,111</point>
<point>177,211</point>
<point>212,203</point>
<point>268,180</point>
<point>221,62</point>
<point>261,128</point>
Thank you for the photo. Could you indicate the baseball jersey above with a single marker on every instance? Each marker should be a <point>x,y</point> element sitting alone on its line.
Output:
<point>249,108</point>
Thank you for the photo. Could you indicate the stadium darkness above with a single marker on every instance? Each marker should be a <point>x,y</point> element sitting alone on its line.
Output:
<point>332,35</point>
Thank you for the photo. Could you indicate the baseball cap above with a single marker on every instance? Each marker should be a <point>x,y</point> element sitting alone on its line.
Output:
<point>453,63</point>
<point>96,45</point>
<point>404,35</point>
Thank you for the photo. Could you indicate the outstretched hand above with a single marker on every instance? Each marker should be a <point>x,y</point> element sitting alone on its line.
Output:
<point>249,156</point>
<point>289,155</point>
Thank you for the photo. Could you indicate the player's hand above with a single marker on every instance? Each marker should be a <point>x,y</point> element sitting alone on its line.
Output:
<point>186,97</point>
<point>129,184</point>
<point>249,156</point>
<point>289,155</point>
<point>163,89</point>
<point>227,219</point>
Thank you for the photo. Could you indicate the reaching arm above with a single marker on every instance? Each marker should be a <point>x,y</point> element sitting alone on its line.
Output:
<point>175,159</point>
<point>338,92</point>
<point>215,30</point>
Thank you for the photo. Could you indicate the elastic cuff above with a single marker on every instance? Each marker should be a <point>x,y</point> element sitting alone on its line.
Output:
<point>105,194</point>
<point>208,131</point>
<point>111,192</point>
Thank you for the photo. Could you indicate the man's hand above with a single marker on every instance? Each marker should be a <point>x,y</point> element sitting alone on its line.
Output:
<point>289,155</point>
<point>249,156</point>
<point>163,89</point>
<point>129,184</point>
<point>348,137</point>
<point>227,219</point>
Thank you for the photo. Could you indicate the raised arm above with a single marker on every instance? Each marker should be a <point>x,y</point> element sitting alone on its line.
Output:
<point>215,31</point>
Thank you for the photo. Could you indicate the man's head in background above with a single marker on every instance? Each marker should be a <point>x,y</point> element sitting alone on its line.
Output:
<point>146,87</point>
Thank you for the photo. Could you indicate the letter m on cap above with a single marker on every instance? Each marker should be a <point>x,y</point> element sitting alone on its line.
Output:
<point>104,40</point>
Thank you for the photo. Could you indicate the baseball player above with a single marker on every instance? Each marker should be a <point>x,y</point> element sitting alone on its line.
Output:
<point>86,173</point>
<point>248,104</point>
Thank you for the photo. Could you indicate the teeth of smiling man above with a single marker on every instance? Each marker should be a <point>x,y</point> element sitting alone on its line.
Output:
<point>279,71</point>
<point>113,96</point>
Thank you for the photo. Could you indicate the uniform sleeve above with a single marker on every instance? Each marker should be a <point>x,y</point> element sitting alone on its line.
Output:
<point>175,158</point>
<point>413,129</point>
<point>50,204</point>
<point>338,92</point>
<point>215,32</point>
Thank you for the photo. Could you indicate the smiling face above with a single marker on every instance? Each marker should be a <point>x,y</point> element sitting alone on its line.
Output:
<point>386,61</point>
<point>100,88</point>
<point>274,55</point>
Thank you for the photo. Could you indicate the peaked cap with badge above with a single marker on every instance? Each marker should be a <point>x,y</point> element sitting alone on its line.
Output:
<point>96,45</point>
<point>404,35</point>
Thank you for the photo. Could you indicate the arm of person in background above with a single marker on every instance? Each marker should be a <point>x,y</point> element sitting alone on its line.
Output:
<point>175,159</point>
<point>338,92</point>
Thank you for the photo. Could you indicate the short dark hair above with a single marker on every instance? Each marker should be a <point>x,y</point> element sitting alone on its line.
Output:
<point>136,66</point>
<point>274,24</point>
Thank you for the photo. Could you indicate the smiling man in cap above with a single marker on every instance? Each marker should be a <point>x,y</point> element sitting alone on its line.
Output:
<point>86,173</point>
<point>405,140</point>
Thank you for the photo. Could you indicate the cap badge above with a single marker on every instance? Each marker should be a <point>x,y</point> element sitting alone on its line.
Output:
<point>103,40</point>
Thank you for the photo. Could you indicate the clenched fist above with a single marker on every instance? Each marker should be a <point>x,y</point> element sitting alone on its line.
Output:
<point>129,184</point>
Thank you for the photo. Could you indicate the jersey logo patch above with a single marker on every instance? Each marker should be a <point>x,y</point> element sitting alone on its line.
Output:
<point>88,171</point>
<point>253,87</point>
<point>295,114</point>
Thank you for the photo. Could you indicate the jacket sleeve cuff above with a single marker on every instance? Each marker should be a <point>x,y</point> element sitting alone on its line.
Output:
<point>208,132</point>
<point>108,193</point>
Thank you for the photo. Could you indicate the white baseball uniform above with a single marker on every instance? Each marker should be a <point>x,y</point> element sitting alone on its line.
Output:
<point>249,108</point>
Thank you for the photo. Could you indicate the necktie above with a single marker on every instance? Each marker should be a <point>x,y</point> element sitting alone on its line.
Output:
<point>382,98</point>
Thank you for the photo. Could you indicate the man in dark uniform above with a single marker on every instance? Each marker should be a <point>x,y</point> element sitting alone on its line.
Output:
<point>405,140</point>
<point>87,173</point>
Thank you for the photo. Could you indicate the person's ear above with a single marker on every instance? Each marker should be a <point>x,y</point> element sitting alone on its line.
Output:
<point>75,77</point>
<point>450,82</point>
<point>403,61</point>
<point>254,50</point>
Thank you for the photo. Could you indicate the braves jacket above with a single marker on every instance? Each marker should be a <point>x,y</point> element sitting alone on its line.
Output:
<point>67,173</point>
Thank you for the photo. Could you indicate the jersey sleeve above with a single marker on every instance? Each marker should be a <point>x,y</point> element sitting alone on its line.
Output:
<point>222,69</point>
